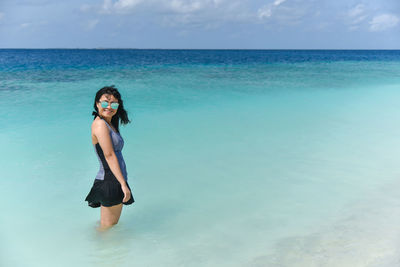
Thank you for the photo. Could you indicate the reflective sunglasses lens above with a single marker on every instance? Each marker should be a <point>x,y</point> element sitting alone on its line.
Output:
<point>114,105</point>
<point>104,104</point>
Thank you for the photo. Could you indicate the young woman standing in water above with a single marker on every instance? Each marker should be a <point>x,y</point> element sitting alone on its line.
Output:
<point>110,189</point>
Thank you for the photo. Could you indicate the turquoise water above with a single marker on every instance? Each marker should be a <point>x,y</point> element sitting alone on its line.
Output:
<point>251,158</point>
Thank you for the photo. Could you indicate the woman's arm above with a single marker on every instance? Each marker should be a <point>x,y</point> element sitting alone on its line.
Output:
<point>102,134</point>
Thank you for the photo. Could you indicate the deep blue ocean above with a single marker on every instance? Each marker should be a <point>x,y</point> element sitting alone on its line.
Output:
<point>234,157</point>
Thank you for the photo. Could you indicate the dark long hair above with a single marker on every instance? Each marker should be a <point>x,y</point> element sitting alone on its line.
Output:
<point>121,114</point>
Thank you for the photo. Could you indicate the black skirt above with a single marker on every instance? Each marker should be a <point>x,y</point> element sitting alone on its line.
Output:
<point>107,192</point>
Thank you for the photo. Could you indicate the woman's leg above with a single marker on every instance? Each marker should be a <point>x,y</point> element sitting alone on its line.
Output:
<point>110,215</point>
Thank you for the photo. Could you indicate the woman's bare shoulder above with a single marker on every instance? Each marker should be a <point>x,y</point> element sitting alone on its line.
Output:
<point>98,124</point>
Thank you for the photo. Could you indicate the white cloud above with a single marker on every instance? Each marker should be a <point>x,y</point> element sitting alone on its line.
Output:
<point>357,11</point>
<point>1,15</point>
<point>174,6</point>
<point>359,19</point>
<point>91,24</point>
<point>186,7</point>
<point>355,16</point>
<point>123,5</point>
<point>284,13</point>
<point>106,7</point>
<point>25,25</point>
<point>358,14</point>
<point>264,12</point>
<point>161,6</point>
<point>383,22</point>
<point>33,24</point>
<point>278,2</point>
<point>208,14</point>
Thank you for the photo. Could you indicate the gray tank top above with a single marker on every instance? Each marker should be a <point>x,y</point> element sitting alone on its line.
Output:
<point>118,144</point>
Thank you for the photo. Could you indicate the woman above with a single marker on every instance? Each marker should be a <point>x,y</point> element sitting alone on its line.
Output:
<point>110,188</point>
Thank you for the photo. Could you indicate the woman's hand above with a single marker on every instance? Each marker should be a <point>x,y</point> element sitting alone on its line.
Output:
<point>127,192</point>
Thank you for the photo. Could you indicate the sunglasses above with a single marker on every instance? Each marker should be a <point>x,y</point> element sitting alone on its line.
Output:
<point>104,104</point>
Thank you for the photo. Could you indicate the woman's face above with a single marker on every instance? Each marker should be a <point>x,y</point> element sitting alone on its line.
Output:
<point>107,112</point>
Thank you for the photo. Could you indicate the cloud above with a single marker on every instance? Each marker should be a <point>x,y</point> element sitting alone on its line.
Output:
<point>122,5</point>
<point>25,24</point>
<point>357,14</point>
<point>383,22</point>
<point>208,14</point>
<point>187,7</point>
<point>284,13</point>
<point>264,12</point>
<point>150,6</point>
<point>91,24</point>
<point>119,7</point>
<point>33,25</point>
<point>1,15</point>
<point>106,7</point>
<point>278,2</point>
<point>212,14</point>
<point>357,10</point>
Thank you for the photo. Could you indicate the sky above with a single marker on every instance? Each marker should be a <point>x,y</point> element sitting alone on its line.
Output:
<point>201,24</point>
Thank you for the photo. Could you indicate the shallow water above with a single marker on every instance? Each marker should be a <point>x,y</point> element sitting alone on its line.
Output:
<point>235,158</point>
